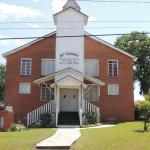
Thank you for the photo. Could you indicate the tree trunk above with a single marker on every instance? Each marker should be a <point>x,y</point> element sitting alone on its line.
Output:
<point>145,125</point>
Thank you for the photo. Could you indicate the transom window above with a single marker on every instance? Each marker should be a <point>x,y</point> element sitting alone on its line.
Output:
<point>92,94</point>
<point>46,93</point>
<point>113,68</point>
<point>113,89</point>
<point>25,88</point>
<point>26,66</point>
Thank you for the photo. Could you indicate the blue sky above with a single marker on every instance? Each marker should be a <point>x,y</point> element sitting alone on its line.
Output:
<point>42,10</point>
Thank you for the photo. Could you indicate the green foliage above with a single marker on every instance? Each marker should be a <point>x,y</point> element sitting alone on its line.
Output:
<point>2,81</point>
<point>46,120</point>
<point>17,128</point>
<point>91,118</point>
<point>143,108</point>
<point>147,97</point>
<point>138,44</point>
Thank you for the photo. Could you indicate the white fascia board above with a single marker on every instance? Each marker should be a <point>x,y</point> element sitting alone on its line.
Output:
<point>109,45</point>
<point>26,45</point>
<point>55,15</point>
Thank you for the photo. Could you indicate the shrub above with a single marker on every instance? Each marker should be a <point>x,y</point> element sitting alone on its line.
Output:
<point>145,113</point>
<point>17,127</point>
<point>91,118</point>
<point>46,120</point>
<point>137,110</point>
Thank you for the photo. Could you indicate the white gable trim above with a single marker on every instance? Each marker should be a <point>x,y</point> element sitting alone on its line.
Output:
<point>27,45</point>
<point>85,76</point>
<point>69,78</point>
<point>52,33</point>
<point>109,45</point>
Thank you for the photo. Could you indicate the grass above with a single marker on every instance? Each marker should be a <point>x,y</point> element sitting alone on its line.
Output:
<point>23,140</point>
<point>120,137</point>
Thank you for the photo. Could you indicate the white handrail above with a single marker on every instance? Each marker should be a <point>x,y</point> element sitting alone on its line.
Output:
<point>34,116</point>
<point>89,107</point>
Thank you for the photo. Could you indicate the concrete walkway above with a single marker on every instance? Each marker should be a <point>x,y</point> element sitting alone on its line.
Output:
<point>62,139</point>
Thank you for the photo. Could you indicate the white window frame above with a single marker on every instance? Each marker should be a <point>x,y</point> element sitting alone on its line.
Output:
<point>22,67</point>
<point>112,68</point>
<point>113,93</point>
<point>47,59</point>
<point>1,122</point>
<point>25,93</point>
<point>98,67</point>
<point>44,100</point>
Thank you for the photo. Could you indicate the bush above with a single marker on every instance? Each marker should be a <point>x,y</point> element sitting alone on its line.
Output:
<point>91,118</point>
<point>17,128</point>
<point>137,110</point>
<point>46,120</point>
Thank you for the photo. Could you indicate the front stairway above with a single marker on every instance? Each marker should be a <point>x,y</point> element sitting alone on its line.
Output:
<point>68,118</point>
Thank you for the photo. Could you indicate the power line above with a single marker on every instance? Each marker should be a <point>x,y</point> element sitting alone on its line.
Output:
<point>102,27</point>
<point>92,35</point>
<point>117,1</point>
<point>47,22</point>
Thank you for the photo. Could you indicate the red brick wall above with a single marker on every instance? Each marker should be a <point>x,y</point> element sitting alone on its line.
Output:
<point>26,103</point>
<point>8,119</point>
<point>120,107</point>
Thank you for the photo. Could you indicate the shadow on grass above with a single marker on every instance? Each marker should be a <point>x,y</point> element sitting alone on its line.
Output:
<point>141,130</point>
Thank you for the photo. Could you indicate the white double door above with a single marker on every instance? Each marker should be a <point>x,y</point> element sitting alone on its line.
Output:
<point>69,100</point>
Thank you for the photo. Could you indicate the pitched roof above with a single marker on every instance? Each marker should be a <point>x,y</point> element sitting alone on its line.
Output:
<point>85,76</point>
<point>53,33</point>
<point>71,3</point>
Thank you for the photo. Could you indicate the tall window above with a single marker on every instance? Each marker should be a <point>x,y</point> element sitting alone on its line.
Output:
<point>1,122</point>
<point>92,94</point>
<point>46,93</point>
<point>26,66</point>
<point>48,66</point>
<point>113,68</point>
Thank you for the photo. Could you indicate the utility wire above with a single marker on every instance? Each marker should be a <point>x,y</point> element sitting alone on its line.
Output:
<point>117,1</point>
<point>48,22</point>
<point>94,28</point>
<point>92,35</point>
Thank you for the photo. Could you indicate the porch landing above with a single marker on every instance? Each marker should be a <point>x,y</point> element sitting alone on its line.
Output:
<point>62,139</point>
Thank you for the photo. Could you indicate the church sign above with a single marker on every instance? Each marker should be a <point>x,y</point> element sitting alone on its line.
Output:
<point>69,58</point>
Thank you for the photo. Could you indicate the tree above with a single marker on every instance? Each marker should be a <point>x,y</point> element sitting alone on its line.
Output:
<point>138,44</point>
<point>144,109</point>
<point>2,81</point>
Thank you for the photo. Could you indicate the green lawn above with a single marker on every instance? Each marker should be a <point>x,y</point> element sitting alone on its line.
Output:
<point>120,137</point>
<point>23,140</point>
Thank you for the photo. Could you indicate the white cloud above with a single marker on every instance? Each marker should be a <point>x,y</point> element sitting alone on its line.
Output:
<point>33,25</point>
<point>10,11</point>
<point>4,42</point>
<point>35,0</point>
<point>137,96</point>
<point>57,5</point>
<point>19,42</point>
<point>91,18</point>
